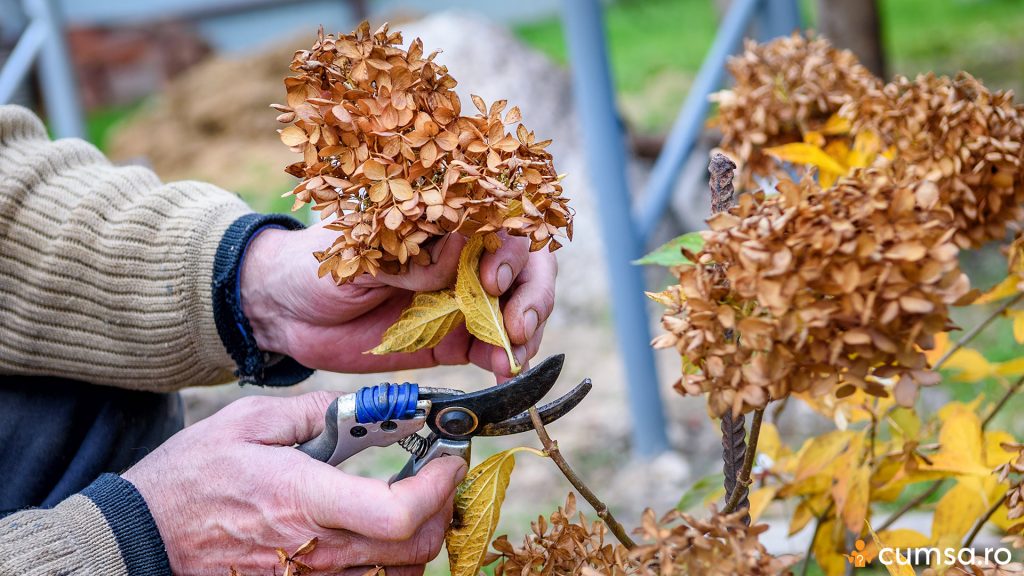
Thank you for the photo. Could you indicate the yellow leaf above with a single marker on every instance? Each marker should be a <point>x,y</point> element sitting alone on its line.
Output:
<point>428,319</point>
<point>665,297</point>
<point>900,538</point>
<point>865,148</point>
<point>995,454</point>
<point>957,511</point>
<point>814,138</point>
<point>970,363</point>
<point>477,509</point>
<point>1005,289</point>
<point>937,351</point>
<point>1013,367</point>
<point>801,516</point>
<point>851,488</point>
<point>961,448</point>
<point>1018,324</point>
<point>770,444</point>
<point>759,500</point>
<point>836,125</point>
<point>820,452</point>
<point>482,311</point>
<point>830,547</point>
<point>805,154</point>
<point>896,568</point>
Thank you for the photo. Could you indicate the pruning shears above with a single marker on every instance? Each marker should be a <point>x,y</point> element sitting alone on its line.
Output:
<point>388,413</point>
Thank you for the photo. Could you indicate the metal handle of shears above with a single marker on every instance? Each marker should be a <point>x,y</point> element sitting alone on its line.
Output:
<point>380,416</point>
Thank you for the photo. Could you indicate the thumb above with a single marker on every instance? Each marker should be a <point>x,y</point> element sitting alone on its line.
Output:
<point>279,421</point>
<point>440,274</point>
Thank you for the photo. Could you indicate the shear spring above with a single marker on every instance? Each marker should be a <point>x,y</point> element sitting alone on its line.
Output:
<point>415,444</point>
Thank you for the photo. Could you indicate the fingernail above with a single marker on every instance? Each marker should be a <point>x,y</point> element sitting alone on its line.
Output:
<point>504,276</point>
<point>436,249</point>
<point>530,322</point>
<point>460,472</point>
<point>520,353</point>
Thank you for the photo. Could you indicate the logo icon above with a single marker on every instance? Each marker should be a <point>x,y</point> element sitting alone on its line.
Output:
<point>856,557</point>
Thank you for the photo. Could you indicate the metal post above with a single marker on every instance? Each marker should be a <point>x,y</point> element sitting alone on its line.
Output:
<point>56,73</point>
<point>690,122</point>
<point>777,18</point>
<point>18,64</point>
<point>606,158</point>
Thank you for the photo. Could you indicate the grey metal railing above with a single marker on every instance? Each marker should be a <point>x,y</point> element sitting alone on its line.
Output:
<point>43,43</point>
<point>626,234</point>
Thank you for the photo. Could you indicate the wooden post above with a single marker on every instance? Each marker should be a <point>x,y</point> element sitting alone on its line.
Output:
<point>854,25</point>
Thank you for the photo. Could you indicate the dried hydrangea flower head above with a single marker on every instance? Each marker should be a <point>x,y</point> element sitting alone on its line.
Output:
<point>956,133</point>
<point>784,89</point>
<point>677,543</point>
<point>387,153</point>
<point>826,289</point>
<point>845,285</point>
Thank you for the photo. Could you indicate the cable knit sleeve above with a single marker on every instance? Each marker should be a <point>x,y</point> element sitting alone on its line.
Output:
<point>106,272</point>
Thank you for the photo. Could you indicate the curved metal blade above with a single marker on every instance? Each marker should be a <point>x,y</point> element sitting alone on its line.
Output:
<point>492,405</point>
<point>548,413</point>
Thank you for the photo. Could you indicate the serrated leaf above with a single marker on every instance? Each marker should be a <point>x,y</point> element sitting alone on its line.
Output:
<point>806,155</point>
<point>428,319</point>
<point>701,491</point>
<point>482,311</point>
<point>477,510</point>
<point>671,252</point>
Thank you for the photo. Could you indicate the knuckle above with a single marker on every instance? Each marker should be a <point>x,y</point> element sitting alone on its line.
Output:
<point>248,405</point>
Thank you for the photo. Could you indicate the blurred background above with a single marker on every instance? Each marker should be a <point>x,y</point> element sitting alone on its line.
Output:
<point>184,86</point>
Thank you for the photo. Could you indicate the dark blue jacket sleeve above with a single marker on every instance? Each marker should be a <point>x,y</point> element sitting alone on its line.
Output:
<point>254,365</point>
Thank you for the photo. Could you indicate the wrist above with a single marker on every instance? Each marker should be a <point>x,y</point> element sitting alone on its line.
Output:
<point>261,266</point>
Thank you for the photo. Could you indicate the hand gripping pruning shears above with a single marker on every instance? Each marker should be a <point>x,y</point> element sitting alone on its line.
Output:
<point>393,413</point>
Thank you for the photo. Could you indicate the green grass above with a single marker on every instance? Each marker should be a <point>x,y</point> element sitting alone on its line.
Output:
<point>101,122</point>
<point>657,46</point>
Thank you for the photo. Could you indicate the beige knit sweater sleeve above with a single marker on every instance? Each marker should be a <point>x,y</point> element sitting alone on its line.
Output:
<point>105,272</point>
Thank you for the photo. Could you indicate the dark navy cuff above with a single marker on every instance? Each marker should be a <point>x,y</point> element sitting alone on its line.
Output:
<point>254,365</point>
<point>132,524</point>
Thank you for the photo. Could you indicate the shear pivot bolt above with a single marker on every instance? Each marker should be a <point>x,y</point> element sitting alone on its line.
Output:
<point>456,421</point>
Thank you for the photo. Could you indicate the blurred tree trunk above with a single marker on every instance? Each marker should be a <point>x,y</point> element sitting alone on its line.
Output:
<point>854,25</point>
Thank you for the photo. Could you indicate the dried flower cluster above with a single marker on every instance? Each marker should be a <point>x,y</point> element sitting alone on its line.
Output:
<point>827,289</point>
<point>822,286</point>
<point>1015,494</point>
<point>958,134</point>
<point>386,151</point>
<point>784,89</point>
<point>676,544</point>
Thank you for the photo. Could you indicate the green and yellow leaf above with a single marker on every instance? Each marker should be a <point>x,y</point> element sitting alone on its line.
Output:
<point>482,311</point>
<point>477,510</point>
<point>423,324</point>
<point>671,252</point>
<point>1005,289</point>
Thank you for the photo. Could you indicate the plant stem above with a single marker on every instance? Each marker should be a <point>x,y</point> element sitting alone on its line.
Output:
<point>981,521</point>
<point>970,335</point>
<point>743,480</point>
<point>551,449</point>
<point>1002,401</point>
<point>814,536</point>
<point>936,485</point>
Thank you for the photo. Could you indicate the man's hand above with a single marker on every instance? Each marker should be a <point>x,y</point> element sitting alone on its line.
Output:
<point>230,489</point>
<point>322,325</point>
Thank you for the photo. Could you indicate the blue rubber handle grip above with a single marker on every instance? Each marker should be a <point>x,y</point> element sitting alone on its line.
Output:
<point>386,402</point>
